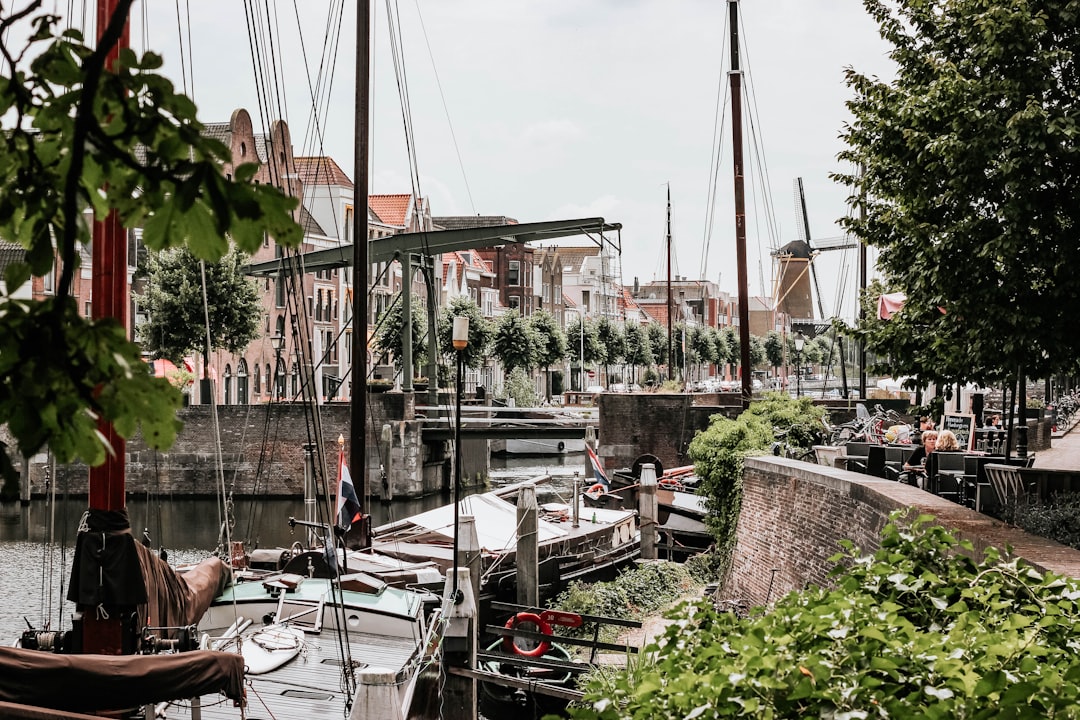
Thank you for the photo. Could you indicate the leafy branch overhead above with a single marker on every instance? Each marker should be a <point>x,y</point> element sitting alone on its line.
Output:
<point>85,140</point>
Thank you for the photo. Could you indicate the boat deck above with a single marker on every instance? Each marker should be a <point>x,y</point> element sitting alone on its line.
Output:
<point>309,686</point>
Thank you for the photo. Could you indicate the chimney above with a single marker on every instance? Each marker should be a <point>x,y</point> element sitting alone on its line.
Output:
<point>637,286</point>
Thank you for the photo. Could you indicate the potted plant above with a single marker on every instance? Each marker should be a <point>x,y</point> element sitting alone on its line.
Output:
<point>378,385</point>
<point>420,383</point>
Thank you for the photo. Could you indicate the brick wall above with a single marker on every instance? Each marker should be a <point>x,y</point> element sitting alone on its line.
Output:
<point>794,515</point>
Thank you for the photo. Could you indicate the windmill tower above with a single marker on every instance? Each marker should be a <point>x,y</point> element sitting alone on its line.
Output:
<point>796,271</point>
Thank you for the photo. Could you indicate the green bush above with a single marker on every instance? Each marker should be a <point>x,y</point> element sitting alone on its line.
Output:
<point>919,629</point>
<point>1058,520</point>
<point>520,387</point>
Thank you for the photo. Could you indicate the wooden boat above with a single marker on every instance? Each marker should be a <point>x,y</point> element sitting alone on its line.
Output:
<point>602,540</point>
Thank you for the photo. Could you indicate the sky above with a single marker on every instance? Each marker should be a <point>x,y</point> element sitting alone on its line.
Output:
<point>558,109</point>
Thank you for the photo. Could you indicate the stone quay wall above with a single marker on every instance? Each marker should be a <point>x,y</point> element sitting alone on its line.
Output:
<point>262,453</point>
<point>794,515</point>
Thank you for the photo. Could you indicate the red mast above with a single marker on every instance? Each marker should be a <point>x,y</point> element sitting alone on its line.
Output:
<point>109,299</point>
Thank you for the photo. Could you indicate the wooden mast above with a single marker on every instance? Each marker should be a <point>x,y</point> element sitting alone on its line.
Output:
<point>735,77</point>
<point>361,265</point>
<point>670,310</point>
<point>103,632</point>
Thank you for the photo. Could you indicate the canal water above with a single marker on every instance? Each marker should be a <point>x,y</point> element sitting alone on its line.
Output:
<point>34,572</point>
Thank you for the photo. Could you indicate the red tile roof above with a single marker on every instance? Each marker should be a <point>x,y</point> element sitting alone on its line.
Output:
<point>321,170</point>
<point>391,209</point>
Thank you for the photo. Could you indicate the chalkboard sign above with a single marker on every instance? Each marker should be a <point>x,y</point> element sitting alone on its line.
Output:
<point>963,426</point>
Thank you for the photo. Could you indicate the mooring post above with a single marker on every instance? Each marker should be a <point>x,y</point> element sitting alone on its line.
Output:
<point>577,499</point>
<point>376,696</point>
<point>647,511</point>
<point>469,550</point>
<point>386,436</point>
<point>528,572</point>
<point>459,648</point>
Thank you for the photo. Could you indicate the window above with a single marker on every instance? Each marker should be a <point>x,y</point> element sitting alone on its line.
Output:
<point>258,384</point>
<point>227,382</point>
<point>513,277</point>
<point>515,302</point>
<point>295,380</point>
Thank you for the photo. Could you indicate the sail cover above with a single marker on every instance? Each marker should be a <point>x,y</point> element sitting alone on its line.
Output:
<point>88,683</point>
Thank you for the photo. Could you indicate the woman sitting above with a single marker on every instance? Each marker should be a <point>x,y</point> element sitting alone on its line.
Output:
<point>915,467</point>
<point>947,442</point>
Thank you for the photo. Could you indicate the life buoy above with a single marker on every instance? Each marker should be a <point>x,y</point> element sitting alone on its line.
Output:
<point>670,484</point>
<point>597,489</point>
<point>562,446</point>
<point>526,617</point>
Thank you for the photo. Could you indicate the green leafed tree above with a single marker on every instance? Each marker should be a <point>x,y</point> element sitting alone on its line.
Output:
<point>80,138</point>
<point>173,302</point>
<point>612,342</point>
<point>774,349</point>
<point>390,334</point>
<point>514,343</point>
<point>480,332</point>
<point>658,342</point>
<point>583,336</point>
<point>638,349</point>
<point>970,184</point>
<point>551,344</point>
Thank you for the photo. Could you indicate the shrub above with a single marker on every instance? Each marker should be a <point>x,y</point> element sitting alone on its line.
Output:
<point>1058,520</point>
<point>917,629</point>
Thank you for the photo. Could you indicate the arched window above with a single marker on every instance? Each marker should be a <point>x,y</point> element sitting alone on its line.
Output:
<point>258,378</point>
<point>242,382</point>
<point>269,383</point>
<point>227,382</point>
<point>295,380</point>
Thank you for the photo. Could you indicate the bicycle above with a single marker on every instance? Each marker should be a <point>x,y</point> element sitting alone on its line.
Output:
<point>782,448</point>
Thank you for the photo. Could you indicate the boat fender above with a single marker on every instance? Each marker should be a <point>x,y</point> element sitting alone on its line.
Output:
<point>527,617</point>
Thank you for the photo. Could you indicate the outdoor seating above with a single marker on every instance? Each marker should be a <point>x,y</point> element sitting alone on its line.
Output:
<point>895,457</point>
<point>857,454</point>
<point>1007,483</point>
<point>945,471</point>
<point>875,461</point>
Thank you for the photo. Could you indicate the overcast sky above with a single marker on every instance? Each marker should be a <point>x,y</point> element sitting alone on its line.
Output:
<point>574,108</point>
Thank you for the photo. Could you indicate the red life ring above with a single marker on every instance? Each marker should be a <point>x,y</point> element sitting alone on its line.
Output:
<point>670,484</point>
<point>597,489</point>
<point>526,617</point>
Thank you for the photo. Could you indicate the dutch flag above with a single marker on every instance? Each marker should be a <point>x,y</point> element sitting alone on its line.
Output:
<point>348,505</point>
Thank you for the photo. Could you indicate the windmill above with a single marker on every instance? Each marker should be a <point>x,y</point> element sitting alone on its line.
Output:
<point>797,271</point>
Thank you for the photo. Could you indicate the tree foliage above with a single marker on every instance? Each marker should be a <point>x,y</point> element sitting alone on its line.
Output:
<point>639,352</point>
<point>575,339</point>
<point>658,342</point>
<point>918,628</point>
<point>78,137</point>
<point>480,331</point>
<point>971,188</point>
<point>173,301</point>
<point>550,344</point>
<point>390,336</point>
<point>514,343</point>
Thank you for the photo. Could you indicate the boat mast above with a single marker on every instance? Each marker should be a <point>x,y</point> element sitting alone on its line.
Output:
<point>735,77</point>
<point>860,314</point>
<point>670,312</point>
<point>103,633</point>
<point>360,266</point>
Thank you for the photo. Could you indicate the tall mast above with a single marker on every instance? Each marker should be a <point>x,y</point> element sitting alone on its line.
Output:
<point>735,76</point>
<point>860,313</point>
<point>358,404</point>
<point>670,308</point>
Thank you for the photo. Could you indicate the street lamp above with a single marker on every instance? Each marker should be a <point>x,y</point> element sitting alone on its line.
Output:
<point>460,342</point>
<point>278,343</point>
<point>800,341</point>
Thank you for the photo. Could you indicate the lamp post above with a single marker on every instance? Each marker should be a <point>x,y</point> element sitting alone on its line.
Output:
<point>278,343</point>
<point>800,341</point>
<point>581,357</point>
<point>460,342</point>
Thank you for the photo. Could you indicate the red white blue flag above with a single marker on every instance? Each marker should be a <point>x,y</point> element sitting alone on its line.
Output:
<point>348,504</point>
<point>597,467</point>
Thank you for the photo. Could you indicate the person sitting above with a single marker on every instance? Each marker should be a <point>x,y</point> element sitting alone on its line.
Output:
<point>925,423</point>
<point>915,467</point>
<point>947,442</point>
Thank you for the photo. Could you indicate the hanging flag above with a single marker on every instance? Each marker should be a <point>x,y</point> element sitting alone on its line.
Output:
<point>348,504</point>
<point>597,467</point>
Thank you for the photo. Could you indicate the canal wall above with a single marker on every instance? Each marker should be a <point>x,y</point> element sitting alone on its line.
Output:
<point>794,515</point>
<point>262,454</point>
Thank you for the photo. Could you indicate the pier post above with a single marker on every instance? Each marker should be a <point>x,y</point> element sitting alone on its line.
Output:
<point>459,649</point>
<point>647,511</point>
<point>469,550</point>
<point>528,580</point>
<point>376,696</point>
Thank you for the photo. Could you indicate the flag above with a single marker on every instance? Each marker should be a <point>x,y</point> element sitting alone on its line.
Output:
<point>597,467</point>
<point>348,505</point>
